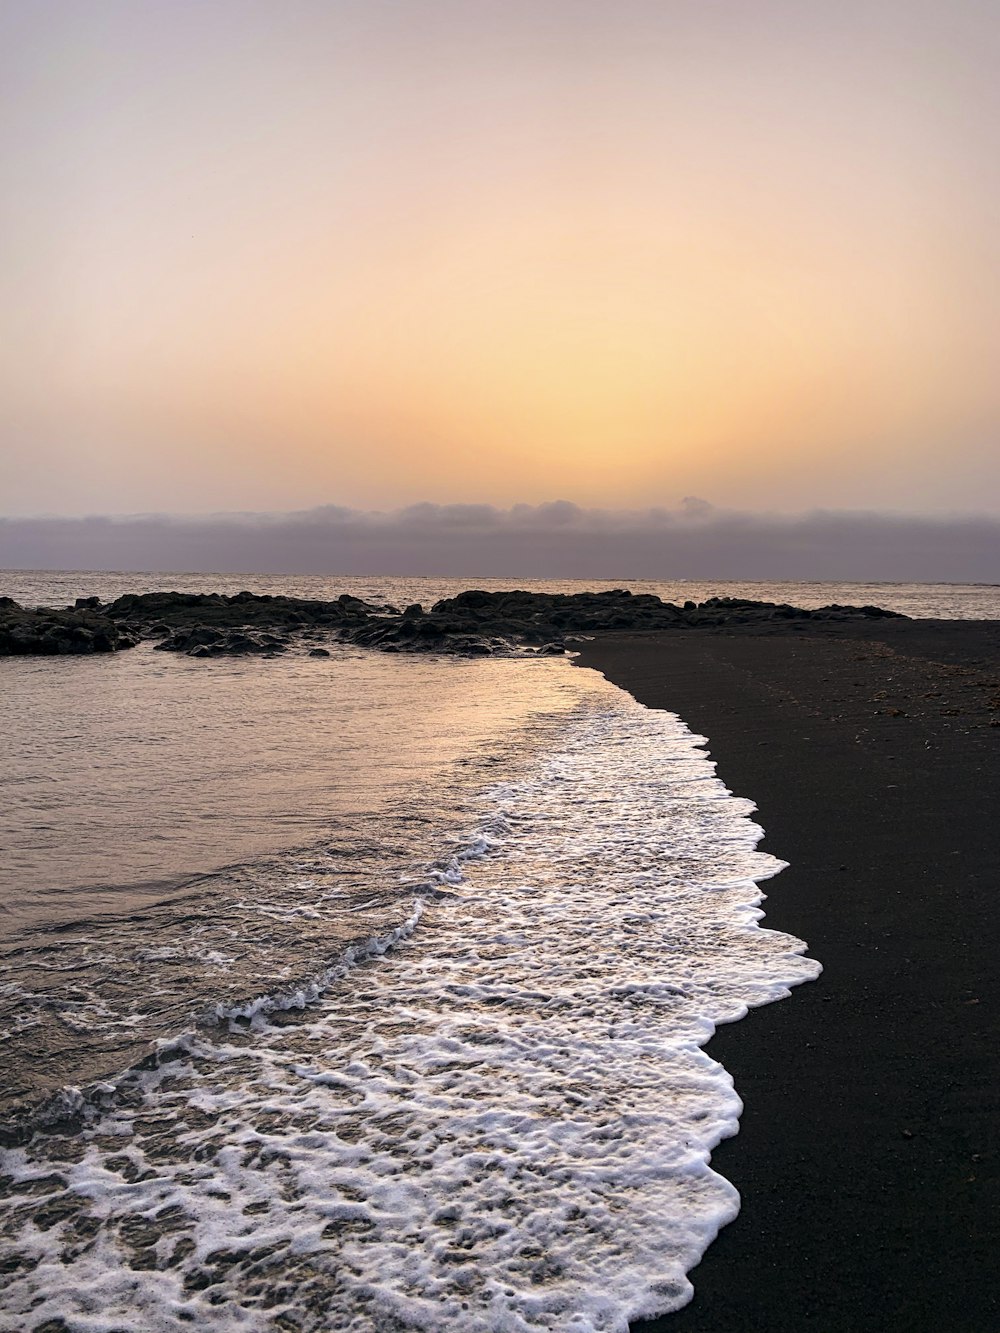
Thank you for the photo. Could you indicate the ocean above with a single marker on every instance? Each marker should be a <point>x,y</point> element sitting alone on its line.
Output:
<point>368,992</point>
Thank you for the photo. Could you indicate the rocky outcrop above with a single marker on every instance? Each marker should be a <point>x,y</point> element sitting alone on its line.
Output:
<point>474,624</point>
<point>216,625</point>
<point>44,632</point>
<point>243,610</point>
<point>207,641</point>
<point>431,634</point>
<point>477,622</point>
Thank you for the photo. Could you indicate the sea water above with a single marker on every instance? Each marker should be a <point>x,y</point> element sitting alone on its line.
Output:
<point>948,601</point>
<point>364,992</point>
<point>175,838</point>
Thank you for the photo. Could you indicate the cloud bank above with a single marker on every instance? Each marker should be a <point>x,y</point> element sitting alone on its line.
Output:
<point>556,540</point>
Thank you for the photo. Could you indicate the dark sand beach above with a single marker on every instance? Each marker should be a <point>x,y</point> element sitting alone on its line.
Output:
<point>867,1153</point>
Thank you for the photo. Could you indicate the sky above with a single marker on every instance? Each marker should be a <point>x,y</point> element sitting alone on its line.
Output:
<point>270,257</point>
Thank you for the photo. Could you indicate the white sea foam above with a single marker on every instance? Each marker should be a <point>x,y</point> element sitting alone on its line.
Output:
<point>300,996</point>
<point>501,1125</point>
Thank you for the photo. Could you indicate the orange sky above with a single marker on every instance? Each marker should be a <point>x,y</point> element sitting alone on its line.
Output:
<point>267,257</point>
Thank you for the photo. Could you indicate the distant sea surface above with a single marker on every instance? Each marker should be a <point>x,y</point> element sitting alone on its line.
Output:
<point>368,991</point>
<point>947,601</point>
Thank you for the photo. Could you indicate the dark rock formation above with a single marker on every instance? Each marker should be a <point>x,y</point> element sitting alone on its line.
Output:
<point>214,625</point>
<point>244,610</point>
<point>207,641</point>
<point>429,634</point>
<point>475,623</point>
<point>42,631</point>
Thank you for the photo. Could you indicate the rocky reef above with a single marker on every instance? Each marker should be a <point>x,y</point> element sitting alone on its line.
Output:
<point>475,623</point>
<point>46,632</point>
<point>213,625</point>
<point>481,622</point>
<point>184,610</point>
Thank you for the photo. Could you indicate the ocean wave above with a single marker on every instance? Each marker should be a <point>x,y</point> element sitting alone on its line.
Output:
<point>502,1124</point>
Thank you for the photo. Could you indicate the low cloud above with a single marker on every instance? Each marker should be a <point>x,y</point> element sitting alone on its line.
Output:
<point>556,540</point>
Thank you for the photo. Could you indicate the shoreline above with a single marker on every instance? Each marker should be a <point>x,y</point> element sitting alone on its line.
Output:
<point>866,1158</point>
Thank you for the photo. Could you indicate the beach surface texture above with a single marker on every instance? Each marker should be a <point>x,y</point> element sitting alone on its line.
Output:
<point>867,1152</point>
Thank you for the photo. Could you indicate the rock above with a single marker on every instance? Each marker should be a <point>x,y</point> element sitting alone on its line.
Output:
<point>45,632</point>
<point>245,610</point>
<point>203,634</point>
<point>499,620</point>
<point>471,600</point>
<point>319,652</point>
<point>474,623</point>
<point>207,641</point>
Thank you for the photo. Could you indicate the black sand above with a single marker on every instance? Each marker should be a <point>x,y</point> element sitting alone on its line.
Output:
<point>867,1155</point>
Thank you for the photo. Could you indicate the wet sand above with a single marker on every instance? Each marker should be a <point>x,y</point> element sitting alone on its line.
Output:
<point>867,1157</point>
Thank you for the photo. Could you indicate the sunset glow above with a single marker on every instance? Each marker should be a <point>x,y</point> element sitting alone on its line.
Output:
<point>272,256</point>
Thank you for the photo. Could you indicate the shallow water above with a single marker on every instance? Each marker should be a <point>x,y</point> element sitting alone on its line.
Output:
<point>502,1123</point>
<point>175,837</point>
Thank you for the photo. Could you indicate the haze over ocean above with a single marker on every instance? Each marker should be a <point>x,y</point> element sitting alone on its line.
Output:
<point>560,540</point>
